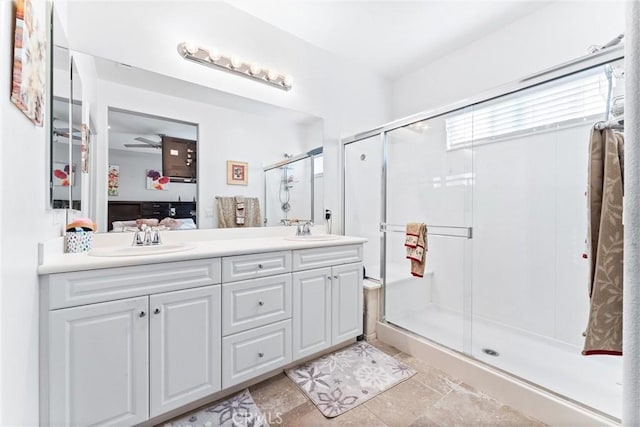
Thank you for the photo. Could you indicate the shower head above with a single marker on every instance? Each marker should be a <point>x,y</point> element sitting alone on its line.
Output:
<point>613,42</point>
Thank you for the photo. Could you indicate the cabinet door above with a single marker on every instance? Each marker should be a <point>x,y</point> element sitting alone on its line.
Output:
<point>98,368</point>
<point>347,297</point>
<point>311,311</point>
<point>184,346</point>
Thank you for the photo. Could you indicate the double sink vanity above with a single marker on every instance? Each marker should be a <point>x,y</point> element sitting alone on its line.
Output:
<point>131,334</point>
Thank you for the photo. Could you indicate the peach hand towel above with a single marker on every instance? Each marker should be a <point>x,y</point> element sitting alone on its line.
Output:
<point>416,244</point>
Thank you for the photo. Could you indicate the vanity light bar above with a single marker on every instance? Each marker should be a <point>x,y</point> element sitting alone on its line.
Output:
<point>232,64</point>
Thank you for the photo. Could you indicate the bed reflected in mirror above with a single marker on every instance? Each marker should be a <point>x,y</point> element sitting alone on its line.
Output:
<point>152,172</point>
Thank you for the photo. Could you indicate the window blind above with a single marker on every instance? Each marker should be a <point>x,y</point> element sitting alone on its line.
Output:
<point>572,100</point>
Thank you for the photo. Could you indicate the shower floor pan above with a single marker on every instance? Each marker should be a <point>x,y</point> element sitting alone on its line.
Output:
<point>594,381</point>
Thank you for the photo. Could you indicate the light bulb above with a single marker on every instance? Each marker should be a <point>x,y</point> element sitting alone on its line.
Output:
<point>272,75</point>
<point>287,81</point>
<point>254,69</point>
<point>190,47</point>
<point>235,62</point>
<point>213,54</point>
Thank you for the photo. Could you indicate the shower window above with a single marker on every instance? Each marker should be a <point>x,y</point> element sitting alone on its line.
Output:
<point>567,102</point>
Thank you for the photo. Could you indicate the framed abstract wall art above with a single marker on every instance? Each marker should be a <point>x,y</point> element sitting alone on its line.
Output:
<point>155,180</point>
<point>113,182</point>
<point>29,57</point>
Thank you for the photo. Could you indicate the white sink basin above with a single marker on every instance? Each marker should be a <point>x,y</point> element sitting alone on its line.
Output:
<point>141,250</point>
<point>314,238</point>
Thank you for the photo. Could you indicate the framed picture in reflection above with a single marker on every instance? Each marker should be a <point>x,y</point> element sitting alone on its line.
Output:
<point>237,172</point>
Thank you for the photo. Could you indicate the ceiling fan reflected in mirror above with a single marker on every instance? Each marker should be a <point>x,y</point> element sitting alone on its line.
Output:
<point>59,130</point>
<point>146,143</point>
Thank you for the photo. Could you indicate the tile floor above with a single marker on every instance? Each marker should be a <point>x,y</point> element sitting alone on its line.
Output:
<point>430,398</point>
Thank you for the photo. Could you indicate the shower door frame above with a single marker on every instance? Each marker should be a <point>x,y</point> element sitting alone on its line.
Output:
<point>574,66</point>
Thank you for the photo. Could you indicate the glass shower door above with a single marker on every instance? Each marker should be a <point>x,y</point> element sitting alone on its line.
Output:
<point>362,198</point>
<point>429,182</point>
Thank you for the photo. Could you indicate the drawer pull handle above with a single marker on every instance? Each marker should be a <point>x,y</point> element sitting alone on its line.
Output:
<point>156,311</point>
<point>260,303</point>
<point>142,314</point>
<point>260,266</point>
<point>260,354</point>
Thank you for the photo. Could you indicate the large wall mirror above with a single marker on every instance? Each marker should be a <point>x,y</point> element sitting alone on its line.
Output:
<point>138,119</point>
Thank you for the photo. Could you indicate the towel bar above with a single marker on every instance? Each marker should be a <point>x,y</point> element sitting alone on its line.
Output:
<point>400,228</point>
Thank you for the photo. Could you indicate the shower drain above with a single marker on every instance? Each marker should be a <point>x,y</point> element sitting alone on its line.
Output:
<point>490,352</point>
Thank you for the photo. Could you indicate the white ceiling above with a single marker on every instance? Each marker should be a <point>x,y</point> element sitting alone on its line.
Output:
<point>390,37</point>
<point>124,127</point>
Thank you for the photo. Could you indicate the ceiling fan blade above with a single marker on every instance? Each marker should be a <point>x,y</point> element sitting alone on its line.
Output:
<point>63,133</point>
<point>141,146</point>
<point>147,141</point>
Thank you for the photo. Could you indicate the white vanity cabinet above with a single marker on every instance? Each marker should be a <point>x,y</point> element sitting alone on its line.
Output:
<point>123,361</point>
<point>256,315</point>
<point>126,344</point>
<point>327,301</point>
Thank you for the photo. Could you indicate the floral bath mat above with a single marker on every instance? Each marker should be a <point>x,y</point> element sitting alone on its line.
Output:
<point>237,411</point>
<point>340,381</point>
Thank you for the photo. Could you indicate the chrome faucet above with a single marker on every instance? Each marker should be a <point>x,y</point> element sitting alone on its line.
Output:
<point>146,236</point>
<point>137,239</point>
<point>306,228</point>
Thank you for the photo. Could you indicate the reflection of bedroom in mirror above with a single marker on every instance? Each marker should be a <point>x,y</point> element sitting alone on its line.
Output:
<point>152,171</point>
<point>65,182</point>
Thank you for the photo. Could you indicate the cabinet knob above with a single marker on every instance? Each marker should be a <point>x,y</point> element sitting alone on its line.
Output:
<point>335,277</point>
<point>260,354</point>
<point>260,266</point>
<point>142,314</point>
<point>156,311</point>
<point>329,277</point>
<point>261,303</point>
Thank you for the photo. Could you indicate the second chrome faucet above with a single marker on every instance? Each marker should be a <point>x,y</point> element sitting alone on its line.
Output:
<point>304,229</point>
<point>146,236</point>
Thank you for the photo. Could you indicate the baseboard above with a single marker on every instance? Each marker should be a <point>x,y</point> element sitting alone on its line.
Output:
<point>541,404</point>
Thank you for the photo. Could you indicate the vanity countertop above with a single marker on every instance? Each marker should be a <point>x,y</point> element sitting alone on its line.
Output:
<point>62,262</point>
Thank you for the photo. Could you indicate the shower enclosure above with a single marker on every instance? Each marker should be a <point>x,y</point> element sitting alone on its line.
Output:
<point>501,185</point>
<point>293,189</point>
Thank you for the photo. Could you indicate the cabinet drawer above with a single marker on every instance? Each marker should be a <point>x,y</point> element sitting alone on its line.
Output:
<point>248,354</point>
<point>306,259</point>
<point>244,267</point>
<point>85,287</point>
<point>253,303</point>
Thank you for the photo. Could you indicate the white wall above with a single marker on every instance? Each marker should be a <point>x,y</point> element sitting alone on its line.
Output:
<point>133,181</point>
<point>24,221</point>
<point>346,96</point>
<point>549,36</point>
<point>223,134</point>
